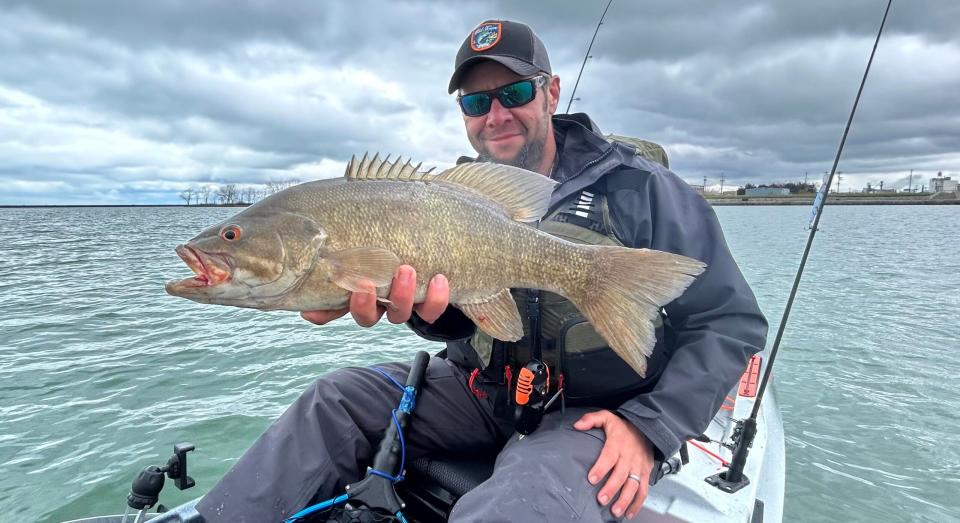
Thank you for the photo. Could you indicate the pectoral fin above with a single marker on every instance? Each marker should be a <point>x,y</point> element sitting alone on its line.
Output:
<point>387,304</point>
<point>353,266</point>
<point>497,316</point>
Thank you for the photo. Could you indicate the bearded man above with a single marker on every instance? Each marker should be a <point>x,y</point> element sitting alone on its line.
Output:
<point>591,461</point>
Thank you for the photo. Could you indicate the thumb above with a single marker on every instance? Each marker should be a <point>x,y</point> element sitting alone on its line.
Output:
<point>590,420</point>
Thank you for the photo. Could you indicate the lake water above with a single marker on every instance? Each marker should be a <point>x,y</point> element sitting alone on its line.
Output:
<point>101,371</point>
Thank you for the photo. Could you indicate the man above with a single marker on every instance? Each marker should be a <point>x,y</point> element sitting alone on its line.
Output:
<point>590,462</point>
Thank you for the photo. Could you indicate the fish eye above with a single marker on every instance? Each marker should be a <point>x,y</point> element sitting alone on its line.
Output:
<point>230,233</point>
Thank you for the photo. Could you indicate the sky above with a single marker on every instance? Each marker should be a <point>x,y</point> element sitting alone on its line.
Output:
<point>118,102</point>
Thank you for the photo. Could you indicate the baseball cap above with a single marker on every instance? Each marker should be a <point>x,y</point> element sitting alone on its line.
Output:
<point>512,44</point>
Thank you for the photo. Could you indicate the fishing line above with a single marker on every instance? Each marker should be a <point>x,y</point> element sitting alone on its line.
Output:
<point>735,473</point>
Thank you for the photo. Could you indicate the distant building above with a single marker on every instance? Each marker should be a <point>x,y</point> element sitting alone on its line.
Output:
<point>943,184</point>
<point>869,189</point>
<point>767,191</point>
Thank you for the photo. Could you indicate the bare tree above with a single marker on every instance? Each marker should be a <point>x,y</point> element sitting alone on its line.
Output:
<point>205,191</point>
<point>249,194</point>
<point>228,194</point>
<point>187,195</point>
<point>275,187</point>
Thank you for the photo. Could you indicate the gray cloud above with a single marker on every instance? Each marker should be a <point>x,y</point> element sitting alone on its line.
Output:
<point>112,102</point>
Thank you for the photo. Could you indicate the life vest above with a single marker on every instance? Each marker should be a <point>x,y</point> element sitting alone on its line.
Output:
<point>579,358</point>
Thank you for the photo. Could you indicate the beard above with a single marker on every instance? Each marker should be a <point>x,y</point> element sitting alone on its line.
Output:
<point>530,155</point>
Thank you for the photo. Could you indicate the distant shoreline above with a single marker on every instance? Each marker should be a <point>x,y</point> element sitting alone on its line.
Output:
<point>832,200</point>
<point>718,202</point>
<point>123,205</point>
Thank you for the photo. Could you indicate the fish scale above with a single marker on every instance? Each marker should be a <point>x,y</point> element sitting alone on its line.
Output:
<point>309,246</point>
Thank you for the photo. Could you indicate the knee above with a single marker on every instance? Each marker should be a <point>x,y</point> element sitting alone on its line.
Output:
<point>331,386</point>
<point>530,496</point>
<point>541,478</point>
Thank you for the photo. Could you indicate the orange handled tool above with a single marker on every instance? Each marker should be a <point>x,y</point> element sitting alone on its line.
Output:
<point>524,386</point>
<point>533,384</point>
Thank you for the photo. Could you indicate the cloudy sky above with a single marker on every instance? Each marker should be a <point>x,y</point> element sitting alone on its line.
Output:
<point>105,102</point>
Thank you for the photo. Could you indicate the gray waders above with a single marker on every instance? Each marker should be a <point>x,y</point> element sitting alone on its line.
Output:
<point>326,439</point>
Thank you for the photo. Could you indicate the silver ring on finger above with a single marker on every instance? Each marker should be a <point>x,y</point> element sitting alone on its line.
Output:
<point>635,478</point>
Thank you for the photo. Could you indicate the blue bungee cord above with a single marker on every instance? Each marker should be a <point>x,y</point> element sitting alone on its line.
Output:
<point>389,377</point>
<point>407,403</point>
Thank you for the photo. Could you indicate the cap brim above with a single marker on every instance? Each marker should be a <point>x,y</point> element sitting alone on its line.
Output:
<point>514,64</point>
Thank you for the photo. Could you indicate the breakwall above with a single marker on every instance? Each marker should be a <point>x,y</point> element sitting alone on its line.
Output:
<point>832,200</point>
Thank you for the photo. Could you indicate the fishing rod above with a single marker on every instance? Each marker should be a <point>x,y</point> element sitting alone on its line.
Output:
<point>587,56</point>
<point>733,478</point>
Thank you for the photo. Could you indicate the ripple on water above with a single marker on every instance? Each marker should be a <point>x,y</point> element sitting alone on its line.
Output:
<point>101,371</point>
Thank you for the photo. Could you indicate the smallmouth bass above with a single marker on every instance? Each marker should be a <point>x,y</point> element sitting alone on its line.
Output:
<point>308,247</point>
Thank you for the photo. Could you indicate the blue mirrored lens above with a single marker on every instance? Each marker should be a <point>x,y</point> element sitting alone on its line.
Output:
<point>475,104</point>
<point>516,94</point>
<point>513,95</point>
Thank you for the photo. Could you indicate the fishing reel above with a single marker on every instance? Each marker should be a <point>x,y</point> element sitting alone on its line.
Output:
<point>533,385</point>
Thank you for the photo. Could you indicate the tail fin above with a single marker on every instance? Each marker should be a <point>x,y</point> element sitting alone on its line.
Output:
<point>624,293</point>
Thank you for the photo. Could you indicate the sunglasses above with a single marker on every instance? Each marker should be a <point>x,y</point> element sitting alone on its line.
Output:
<point>510,96</point>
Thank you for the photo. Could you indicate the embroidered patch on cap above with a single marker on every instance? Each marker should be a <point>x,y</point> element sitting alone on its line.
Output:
<point>486,36</point>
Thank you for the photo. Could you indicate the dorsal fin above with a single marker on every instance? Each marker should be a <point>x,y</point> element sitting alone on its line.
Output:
<point>524,195</point>
<point>376,169</point>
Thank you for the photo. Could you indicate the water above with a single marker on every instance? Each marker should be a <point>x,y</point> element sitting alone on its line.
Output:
<point>101,371</point>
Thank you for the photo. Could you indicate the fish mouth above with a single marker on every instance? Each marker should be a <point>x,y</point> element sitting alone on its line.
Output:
<point>211,269</point>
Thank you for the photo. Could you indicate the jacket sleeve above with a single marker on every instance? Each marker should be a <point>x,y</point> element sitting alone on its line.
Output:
<point>716,324</point>
<point>452,325</point>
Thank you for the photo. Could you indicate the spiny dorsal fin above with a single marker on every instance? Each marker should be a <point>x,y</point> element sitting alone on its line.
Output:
<point>376,169</point>
<point>525,195</point>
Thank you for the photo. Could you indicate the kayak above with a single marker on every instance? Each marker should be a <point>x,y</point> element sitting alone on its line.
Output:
<point>433,484</point>
<point>683,494</point>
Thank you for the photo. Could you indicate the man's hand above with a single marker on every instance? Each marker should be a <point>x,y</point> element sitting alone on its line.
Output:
<point>626,452</point>
<point>367,311</point>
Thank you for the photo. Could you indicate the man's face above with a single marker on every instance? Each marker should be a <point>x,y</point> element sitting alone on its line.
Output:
<point>514,136</point>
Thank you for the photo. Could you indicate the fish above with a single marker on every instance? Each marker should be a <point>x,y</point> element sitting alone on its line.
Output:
<point>311,245</point>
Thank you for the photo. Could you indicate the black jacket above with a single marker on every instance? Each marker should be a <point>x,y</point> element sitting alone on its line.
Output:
<point>711,330</point>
